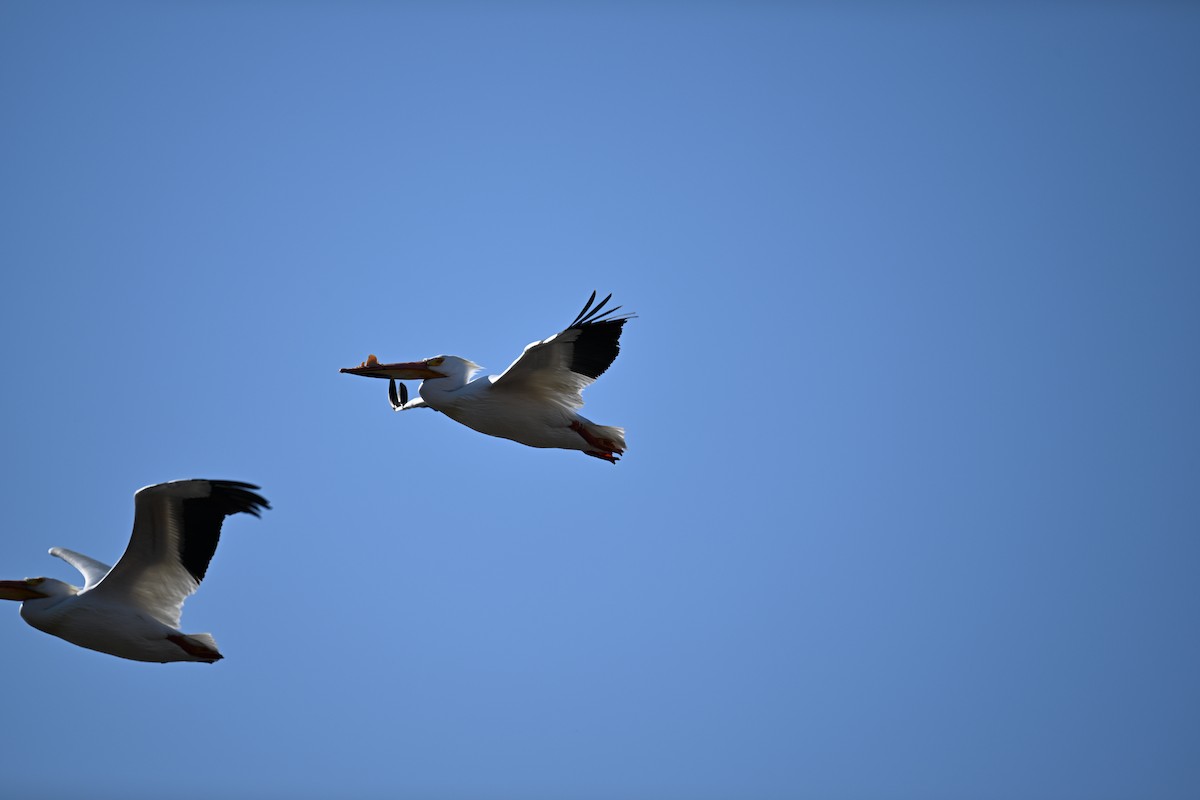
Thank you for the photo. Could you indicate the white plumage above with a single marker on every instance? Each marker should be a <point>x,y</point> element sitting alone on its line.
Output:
<point>132,610</point>
<point>536,400</point>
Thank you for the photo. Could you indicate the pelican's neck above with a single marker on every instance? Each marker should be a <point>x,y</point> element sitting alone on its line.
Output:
<point>449,389</point>
<point>441,391</point>
<point>43,613</point>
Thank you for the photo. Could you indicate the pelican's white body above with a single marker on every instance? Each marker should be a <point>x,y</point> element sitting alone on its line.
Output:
<point>97,623</point>
<point>535,417</point>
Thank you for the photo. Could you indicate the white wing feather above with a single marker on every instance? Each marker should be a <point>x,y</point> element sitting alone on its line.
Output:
<point>544,370</point>
<point>93,571</point>
<point>150,575</point>
<point>559,368</point>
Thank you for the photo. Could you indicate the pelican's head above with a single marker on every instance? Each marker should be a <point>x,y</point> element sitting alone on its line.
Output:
<point>459,370</point>
<point>429,369</point>
<point>35,589</point>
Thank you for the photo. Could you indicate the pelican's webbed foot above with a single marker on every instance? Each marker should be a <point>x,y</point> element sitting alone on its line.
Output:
<point>606,449</point>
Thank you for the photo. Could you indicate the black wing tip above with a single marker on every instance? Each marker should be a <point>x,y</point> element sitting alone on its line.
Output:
<point>236,497</point>
<point>236,484</point>
<point>592,316</point>
<point>596,347</point>
<point>203,518</point>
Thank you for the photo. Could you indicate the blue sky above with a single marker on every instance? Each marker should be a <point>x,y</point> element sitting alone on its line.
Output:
<point>909,508</point>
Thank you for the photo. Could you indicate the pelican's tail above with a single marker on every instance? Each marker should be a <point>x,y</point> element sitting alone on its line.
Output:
<point>201,646</point>
<point>613,438</point>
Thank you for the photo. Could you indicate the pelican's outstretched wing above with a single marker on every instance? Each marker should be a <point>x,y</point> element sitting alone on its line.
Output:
<point>561,367</point>
<point>176,527</point>
<point>93,570</point>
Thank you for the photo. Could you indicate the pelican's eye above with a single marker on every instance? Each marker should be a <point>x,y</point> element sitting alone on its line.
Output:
<point>35,581</point>
<point>434,362</point>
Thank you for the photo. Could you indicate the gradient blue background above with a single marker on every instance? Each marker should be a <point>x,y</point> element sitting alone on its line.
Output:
<point>911,504</point>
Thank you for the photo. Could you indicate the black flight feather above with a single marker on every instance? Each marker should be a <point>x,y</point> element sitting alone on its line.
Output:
<point>597,345</point>
<point>202,518</point>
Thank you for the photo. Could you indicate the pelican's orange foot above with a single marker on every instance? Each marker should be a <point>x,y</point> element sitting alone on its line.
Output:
<point>600,443</point>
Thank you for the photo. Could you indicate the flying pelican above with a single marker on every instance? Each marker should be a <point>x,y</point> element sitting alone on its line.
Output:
<point>534,401</point>
<point>132,610</point>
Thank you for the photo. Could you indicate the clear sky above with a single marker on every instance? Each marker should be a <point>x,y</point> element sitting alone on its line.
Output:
<point>910,507</point>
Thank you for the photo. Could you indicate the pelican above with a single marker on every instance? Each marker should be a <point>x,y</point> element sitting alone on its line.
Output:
<point>534,401</point>
<point>132,610</point>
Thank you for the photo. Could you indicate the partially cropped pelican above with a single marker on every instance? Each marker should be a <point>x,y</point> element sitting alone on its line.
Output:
<point>535,400</point>
<point>132,610</point>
